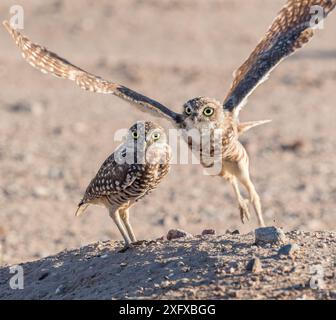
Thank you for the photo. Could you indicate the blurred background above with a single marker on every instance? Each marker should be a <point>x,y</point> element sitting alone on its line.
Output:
<point>54,136</point>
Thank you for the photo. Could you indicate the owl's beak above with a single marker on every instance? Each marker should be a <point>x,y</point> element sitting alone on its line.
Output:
<point>194,117</point>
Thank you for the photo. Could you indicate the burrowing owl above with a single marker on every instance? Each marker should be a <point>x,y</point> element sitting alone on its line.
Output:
<point>292,28</point>
<point>135,168</point>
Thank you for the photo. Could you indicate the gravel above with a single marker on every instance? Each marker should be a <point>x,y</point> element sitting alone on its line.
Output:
<point>218,267</point>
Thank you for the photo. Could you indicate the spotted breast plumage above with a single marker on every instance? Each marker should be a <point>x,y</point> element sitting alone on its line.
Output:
<point>130,173</point>
<point>293,27</point>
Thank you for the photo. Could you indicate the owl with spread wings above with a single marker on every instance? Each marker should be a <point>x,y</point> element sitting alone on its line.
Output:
<point>293,27</point>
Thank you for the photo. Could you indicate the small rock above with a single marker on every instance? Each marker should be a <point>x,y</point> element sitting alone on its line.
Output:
<point>232,232</point>
<point>185,269</point>
<point>208,232</point>
<point>44,274</point>
<point>180,264</point>
<point>35,107</point>
<point>254,265</point>
<point>232,270</point>
<point>293,146</point>
<point>40,192</point>
<point>166,284</point>
<point>269,235</point>
<point>104,256</point>
<point>60,289</point>
<point>177,233</point>
<point>20,107</point>
<point>288,249</point>
<point>180,219</point>
<point>55,173</point>
<point>234,294</point>
<point>233,264</point>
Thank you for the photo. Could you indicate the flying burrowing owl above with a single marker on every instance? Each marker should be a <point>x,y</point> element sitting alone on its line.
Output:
<point>135,168</point>
<point>291,30</point>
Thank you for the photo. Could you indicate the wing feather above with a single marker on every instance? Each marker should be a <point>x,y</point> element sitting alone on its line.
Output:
<point>290,31</point>
<point>48,62</point>
<point>112,178</point>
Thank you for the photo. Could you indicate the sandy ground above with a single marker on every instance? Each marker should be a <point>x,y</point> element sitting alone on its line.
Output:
<point>197,268</point>
<point>53,136</point>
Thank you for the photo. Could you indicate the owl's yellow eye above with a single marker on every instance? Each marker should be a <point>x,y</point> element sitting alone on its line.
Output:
<point>135,135</point>
<point>188,110</point>
<point>156,136</point>
<point>208,112</point>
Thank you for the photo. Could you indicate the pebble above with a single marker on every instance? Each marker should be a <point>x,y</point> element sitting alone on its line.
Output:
<point>59,289</point>
<point>55,173</point>
<point>44,274</point>
<point>208,232</point>
<point>177,234</point>
<point>289,249</point>
<point>181,264</point>
<point>232,270</point>
<point>19,107</point>
<point>185,269</point>
<point>36,108</point>
<point>254,265</point>
<point>233,264</point>
<point>232,232</point>
<point>40,192</point>
<point>269,235</point>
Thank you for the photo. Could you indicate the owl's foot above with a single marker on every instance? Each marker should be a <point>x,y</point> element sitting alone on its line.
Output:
<point>125,248</point>
<point>139,243</point>
<point>133,245</point>
<point>244,210</point>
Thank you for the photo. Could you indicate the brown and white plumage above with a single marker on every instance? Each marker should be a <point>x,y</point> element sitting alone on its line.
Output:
<point>49,62</point>
<point>130,173</point>
<point>291,29</point>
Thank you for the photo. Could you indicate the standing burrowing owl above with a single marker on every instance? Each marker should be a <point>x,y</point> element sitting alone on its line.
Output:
<point>130,173</point>
<point>292,28</point>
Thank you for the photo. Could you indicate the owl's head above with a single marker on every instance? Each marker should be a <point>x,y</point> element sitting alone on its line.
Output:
<point>148,141</point>
<point>203,113</point>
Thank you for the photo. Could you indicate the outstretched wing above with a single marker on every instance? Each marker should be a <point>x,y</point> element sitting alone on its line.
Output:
<point>49,62</point>
<point>291,30</point>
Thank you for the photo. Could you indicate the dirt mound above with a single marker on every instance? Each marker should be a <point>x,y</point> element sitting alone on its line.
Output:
<point>229,266</point>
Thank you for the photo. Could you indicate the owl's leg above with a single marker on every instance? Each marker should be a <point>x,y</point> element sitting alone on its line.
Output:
<point>114,214</point>
<point>245,180</point>
<point>124,215</point>
<point>243,203</point>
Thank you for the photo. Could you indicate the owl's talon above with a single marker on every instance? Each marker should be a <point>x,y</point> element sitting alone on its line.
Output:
<point>244,211</point>
<point>126,248</point>
<point>133,245</point>
<point>139,242</point>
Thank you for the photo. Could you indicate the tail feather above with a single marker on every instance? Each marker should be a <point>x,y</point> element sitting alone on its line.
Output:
<point>81,209</point>
<point>246,126</point>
